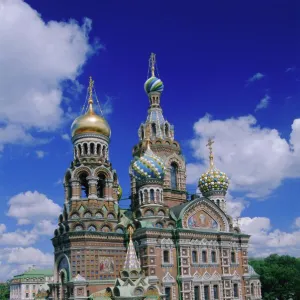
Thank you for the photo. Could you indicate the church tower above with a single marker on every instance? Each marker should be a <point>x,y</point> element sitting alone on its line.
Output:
<point>161,141</point>
<point>89,242</point>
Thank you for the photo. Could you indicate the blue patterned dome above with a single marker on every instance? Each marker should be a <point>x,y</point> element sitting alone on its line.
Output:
<point>153,84</point>
<point>213,181</point>
<point>148,166</point>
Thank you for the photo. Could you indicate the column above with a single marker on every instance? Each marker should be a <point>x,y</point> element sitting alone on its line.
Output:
<point>75,184</point>
<point>92,181</point>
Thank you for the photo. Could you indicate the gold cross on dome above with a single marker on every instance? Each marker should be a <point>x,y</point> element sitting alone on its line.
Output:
<point>211,157</point>
<point>91,85</point>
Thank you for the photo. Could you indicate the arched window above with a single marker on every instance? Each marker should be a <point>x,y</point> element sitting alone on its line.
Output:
<point>152,195</point>
<point>105,229</point>
<point>110,216</point>
<point>101,186</point>
<point>98,149</point>
<point>158,225</point>
<point>252,289</point>
<point>79,151</point>
<point>141,197</point>
<point>161,213</point>
<point>99,215</point>
<point>218,202</point>
<point>166,129</point>
<point>87,215</point>
<point>157,195</point>
<point>149,213</point>
<point>119,230</point>
<point>92,228</point>
<point>84,185</point>
<point>146,195</point>
<point>85,149</point>
<point>174,171</point>
<point>103,151</point>
<point>92,148</point>
<point>153,127</point>
<point>204,256</point>
<point>78,228</point>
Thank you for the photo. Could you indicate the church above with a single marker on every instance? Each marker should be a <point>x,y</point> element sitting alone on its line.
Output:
<point>165,246</point>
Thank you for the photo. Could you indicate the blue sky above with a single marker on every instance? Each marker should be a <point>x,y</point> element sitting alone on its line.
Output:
<point>236,61</point>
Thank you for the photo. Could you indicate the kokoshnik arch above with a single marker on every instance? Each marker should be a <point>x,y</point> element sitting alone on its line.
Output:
<point>163,246</point>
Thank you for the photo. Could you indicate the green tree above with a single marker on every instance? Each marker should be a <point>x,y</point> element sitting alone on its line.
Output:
<point>279,275</point>
<point>4,291</point>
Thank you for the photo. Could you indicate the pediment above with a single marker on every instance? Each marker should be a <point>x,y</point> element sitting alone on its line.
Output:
<point>236,276</point>
<point>216,276</point>
<point>206,276</point>
<point>203,214</point>
<point>168,278</point>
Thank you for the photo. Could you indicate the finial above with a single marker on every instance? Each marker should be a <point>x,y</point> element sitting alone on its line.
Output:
<point>152,64</point>
<point>130,231</point>
<point>91,85</point>
<point>211,157</point>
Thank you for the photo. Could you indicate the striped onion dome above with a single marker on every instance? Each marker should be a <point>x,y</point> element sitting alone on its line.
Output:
<point>148,166</point>
<point>153,84</point>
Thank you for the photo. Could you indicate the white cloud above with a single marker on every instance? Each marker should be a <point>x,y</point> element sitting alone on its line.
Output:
<point>15,261</point>
<point>65,137</point>
<point>263,103</point>
<point>290,69</point>
<point>265,241</point>
<point>40,153</point>
<point>18,238</point>
<point>2,228</point>
<point>297,222</point>
<point>247,153</point>
<point>255,77</point>
<point>31,207</point>
<point>33,63</point>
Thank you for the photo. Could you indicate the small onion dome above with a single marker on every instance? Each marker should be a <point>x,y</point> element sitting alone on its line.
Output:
<point>90,122</point>
<point>213,181</point>
<point>153,84</point>
<point>148,166</point>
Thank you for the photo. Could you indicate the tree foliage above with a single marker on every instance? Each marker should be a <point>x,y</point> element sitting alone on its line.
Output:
<point>4,291</point>
<point>279,275</point>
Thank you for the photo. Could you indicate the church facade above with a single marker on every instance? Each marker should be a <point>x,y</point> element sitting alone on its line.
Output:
<point>164,245</point>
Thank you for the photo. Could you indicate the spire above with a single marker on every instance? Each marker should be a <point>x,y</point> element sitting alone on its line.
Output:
<point>131,260</point>
<point>211,156</point>
<point>90,89</point>
<point>152,62</point>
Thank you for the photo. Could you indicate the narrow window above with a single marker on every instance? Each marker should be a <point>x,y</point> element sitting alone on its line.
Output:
<point>213,257</point>
<point>194,256</point>
<point>206,292</point>
<point>233,257</point>
<point>216,292</point>
<point>98,149</point>
<point>218,202</point>
<point>174,170</point>
<point>235,290</point>
<point>141,197</point>
<point>167,130</point>
<point>142,132</point>
<point>166,256</point>
<point>196,293</point>
<point>153,126</point>
<point>204,256</point>
<point>152,195</point>
<point>92,148</point>
<point>168,293</point>
<point>85,149</point>
<point>252,289</point>
<point>101,186</point>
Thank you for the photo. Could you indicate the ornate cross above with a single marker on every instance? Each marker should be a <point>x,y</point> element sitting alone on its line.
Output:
<point>152,64</point>
<point>91,85</point>
<point>211,157</point>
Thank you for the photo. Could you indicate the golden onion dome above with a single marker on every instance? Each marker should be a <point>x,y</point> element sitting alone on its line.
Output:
<point>90,122</point>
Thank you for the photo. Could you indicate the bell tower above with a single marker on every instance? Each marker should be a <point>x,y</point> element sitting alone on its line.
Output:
<point>161,142</point>
<point>89,226</point>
